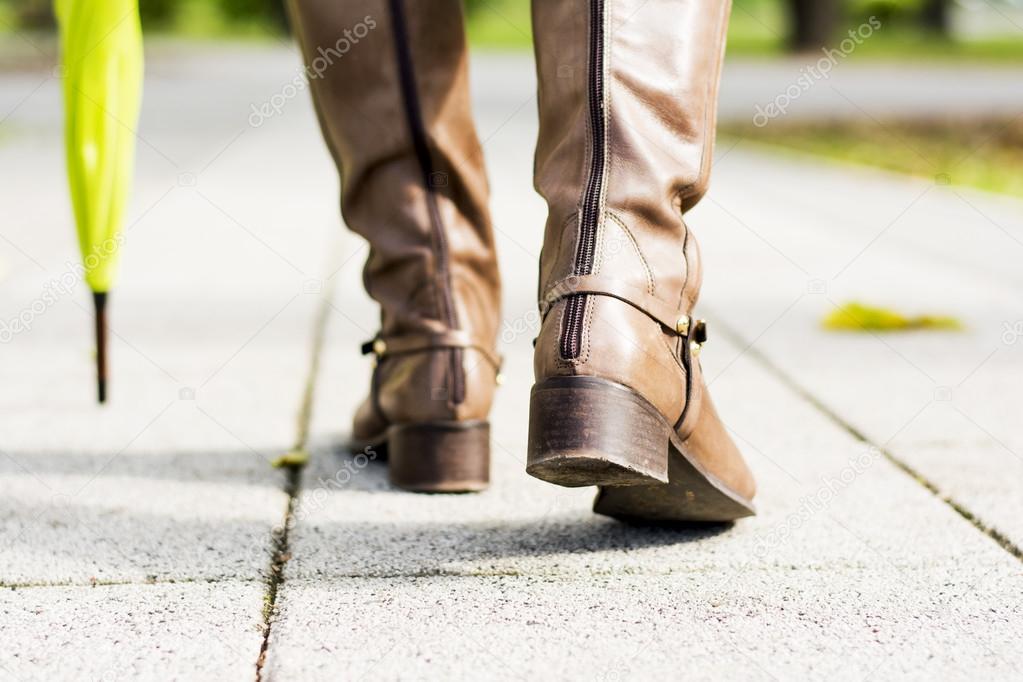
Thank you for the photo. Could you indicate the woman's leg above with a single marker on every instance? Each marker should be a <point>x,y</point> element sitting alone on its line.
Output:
<point>628,92</point>
<point>389,80</point>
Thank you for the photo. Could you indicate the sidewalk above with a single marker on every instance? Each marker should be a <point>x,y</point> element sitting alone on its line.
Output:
<point>144,539</point>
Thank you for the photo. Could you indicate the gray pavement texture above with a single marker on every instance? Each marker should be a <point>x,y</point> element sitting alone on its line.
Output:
<point>143,540</point>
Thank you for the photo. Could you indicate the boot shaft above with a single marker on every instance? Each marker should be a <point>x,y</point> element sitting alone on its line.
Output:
<point>628,94</point>
<point>390,83</point>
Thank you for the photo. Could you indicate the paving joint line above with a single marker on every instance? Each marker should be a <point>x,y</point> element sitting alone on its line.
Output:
<point>279,558</point>
<point>126,583</point>
<point>281,554</point>
<point>580,576</point>
<point>967,514</point>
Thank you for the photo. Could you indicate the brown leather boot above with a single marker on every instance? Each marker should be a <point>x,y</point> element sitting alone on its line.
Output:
<point>628,93</point>
<point>390,84</point>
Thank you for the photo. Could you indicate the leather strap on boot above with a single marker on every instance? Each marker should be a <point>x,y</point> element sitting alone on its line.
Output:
<point>674,319</point>
<point>384,346</point>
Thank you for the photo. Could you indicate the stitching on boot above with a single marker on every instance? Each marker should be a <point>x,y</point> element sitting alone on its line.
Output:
<point>685,262</point>
<point>573,216</point>
<point>584,355</point>
<point>639,253</point>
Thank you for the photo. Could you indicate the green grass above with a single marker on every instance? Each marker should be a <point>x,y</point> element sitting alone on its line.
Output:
<point>987,154</point>
<point>758,28</point>
<point>752,37</point>
<point>203,19</point>
<point>500,25</point>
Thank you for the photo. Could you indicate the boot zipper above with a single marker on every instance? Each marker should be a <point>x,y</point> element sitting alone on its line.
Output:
<point>410,101</point>
<point>575,311</point>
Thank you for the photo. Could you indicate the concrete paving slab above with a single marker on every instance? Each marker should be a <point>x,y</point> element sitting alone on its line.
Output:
<point>212,325</point>
<point>383,581</point>
<point>837,624</point>
<point>350,522</point>
<point>196,518</point>
<point>190,631</point>
<point>940,401</point>
<point>172,478</point>
<point>851,568</point>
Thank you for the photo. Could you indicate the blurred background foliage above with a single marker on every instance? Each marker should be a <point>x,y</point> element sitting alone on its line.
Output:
<point>192,18</point>
<point>938,31</point>
<point>925,28</point>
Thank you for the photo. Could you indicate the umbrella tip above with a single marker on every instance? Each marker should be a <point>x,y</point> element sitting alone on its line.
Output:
<point>99,299</point>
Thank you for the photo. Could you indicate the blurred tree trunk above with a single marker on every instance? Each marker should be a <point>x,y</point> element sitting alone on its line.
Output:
<point>812,24</point>
<point>34,14</point>
<point>936,15</point>
<point>279,15</point>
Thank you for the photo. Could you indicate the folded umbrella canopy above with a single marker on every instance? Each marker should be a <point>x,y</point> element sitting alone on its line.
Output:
<point>101,51</point>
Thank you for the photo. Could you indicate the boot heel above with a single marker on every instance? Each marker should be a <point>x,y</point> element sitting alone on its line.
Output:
<point>439,457</point>
<point>587,431</point>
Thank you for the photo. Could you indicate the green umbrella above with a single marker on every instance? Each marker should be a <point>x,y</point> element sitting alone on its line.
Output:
<point>101,48</point>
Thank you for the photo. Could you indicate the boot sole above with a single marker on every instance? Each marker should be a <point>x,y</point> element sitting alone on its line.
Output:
<point>587,431</point>
<point>436,457</point>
